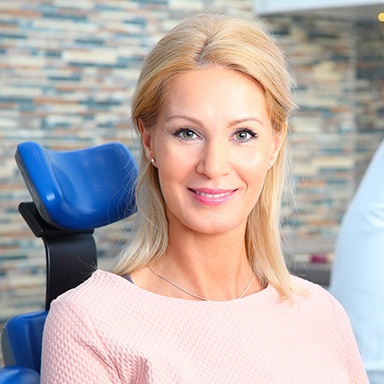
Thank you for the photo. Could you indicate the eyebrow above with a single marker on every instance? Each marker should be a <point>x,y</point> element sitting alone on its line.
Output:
<point>231,124</point>
<point>246,119</point>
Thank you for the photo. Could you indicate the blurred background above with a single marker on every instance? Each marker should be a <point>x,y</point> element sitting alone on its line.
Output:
<point>68,69</point>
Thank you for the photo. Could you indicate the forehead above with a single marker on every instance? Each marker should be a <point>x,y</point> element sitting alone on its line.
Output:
<point>213,90</point>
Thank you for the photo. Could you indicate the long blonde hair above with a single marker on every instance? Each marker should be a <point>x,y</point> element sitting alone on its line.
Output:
<point>197,42</point>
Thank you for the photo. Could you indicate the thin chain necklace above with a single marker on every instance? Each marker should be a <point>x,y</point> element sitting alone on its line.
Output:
<point>193,294</point>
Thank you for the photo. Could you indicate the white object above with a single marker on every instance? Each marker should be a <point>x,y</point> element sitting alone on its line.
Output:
<point>357,278</point>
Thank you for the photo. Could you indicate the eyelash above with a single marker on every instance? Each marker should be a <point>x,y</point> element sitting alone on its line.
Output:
<point>178,133</point>
<point>252,135</point>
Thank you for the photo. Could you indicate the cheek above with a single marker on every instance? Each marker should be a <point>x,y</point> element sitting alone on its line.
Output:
<point>171,177</point>
<point>166,153</point>
<point>254,163</point>
<point>175,163</point>
<point>254,176</point>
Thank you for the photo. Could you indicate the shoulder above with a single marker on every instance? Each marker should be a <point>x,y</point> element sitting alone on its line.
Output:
<point>101,290</point>
<point>323,320</point>
<point>311,294</point>
<point>99,283</point>
<point>320,306</point>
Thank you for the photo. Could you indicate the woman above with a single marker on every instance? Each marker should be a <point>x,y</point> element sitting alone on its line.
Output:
<point>202,294</point>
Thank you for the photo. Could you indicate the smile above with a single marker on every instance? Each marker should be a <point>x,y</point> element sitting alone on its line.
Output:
<point>211,196</point>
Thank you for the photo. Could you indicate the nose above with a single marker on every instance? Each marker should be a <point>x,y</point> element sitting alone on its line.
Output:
<point>214,160</point>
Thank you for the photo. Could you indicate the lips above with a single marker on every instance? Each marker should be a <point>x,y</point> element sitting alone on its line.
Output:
<point>212,196</point>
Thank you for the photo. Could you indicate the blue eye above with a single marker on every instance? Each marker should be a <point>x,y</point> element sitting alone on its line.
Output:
<point>244,135</point>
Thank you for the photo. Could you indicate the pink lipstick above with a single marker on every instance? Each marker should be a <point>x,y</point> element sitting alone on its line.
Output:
<point>209,196</point>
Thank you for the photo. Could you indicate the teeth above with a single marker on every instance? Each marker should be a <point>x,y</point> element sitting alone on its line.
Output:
<point>211,196</point>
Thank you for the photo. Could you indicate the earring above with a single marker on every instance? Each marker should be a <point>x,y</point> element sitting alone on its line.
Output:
<point>270,164</point>
<point>153,160</point>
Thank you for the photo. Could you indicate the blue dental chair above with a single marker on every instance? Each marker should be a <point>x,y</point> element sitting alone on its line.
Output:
<point>73,192</point>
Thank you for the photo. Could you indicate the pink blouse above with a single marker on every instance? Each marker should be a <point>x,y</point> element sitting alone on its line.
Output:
<point>110,331</point>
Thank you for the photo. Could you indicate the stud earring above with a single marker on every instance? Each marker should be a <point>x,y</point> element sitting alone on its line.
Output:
<point>270,164</point>
<point>153,160</point>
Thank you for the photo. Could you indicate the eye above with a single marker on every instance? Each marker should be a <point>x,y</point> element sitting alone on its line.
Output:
<point>185,134</point>
<point>245,135</point>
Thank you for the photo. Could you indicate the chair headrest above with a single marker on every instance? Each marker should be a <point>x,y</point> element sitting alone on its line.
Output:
<point>80,189</point>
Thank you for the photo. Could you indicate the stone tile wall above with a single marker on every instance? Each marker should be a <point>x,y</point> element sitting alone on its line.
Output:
<point>67,72</point>
<point>339,68</point>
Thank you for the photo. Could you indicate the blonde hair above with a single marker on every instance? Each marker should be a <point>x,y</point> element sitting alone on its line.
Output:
<point>197,42</point>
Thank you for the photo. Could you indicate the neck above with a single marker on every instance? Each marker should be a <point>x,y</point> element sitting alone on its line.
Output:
<point>212,266</point>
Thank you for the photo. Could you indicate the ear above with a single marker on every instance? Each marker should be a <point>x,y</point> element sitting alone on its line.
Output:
<point>146,140</point>
<point>278,140</point>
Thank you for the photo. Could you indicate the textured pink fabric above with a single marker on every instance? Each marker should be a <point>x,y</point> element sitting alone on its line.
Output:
<point>110,331</point>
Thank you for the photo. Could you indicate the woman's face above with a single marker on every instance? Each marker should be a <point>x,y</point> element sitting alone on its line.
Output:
<point>212,145</point>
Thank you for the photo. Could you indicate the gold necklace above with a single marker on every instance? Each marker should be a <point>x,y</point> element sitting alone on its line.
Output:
<point>193,294</point>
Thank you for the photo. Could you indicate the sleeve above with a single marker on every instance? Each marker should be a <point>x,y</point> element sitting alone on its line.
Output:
<point>352,357</point>
<point>72,351</point>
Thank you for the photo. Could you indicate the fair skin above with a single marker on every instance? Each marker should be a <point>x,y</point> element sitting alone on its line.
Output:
<point>213,145</point>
